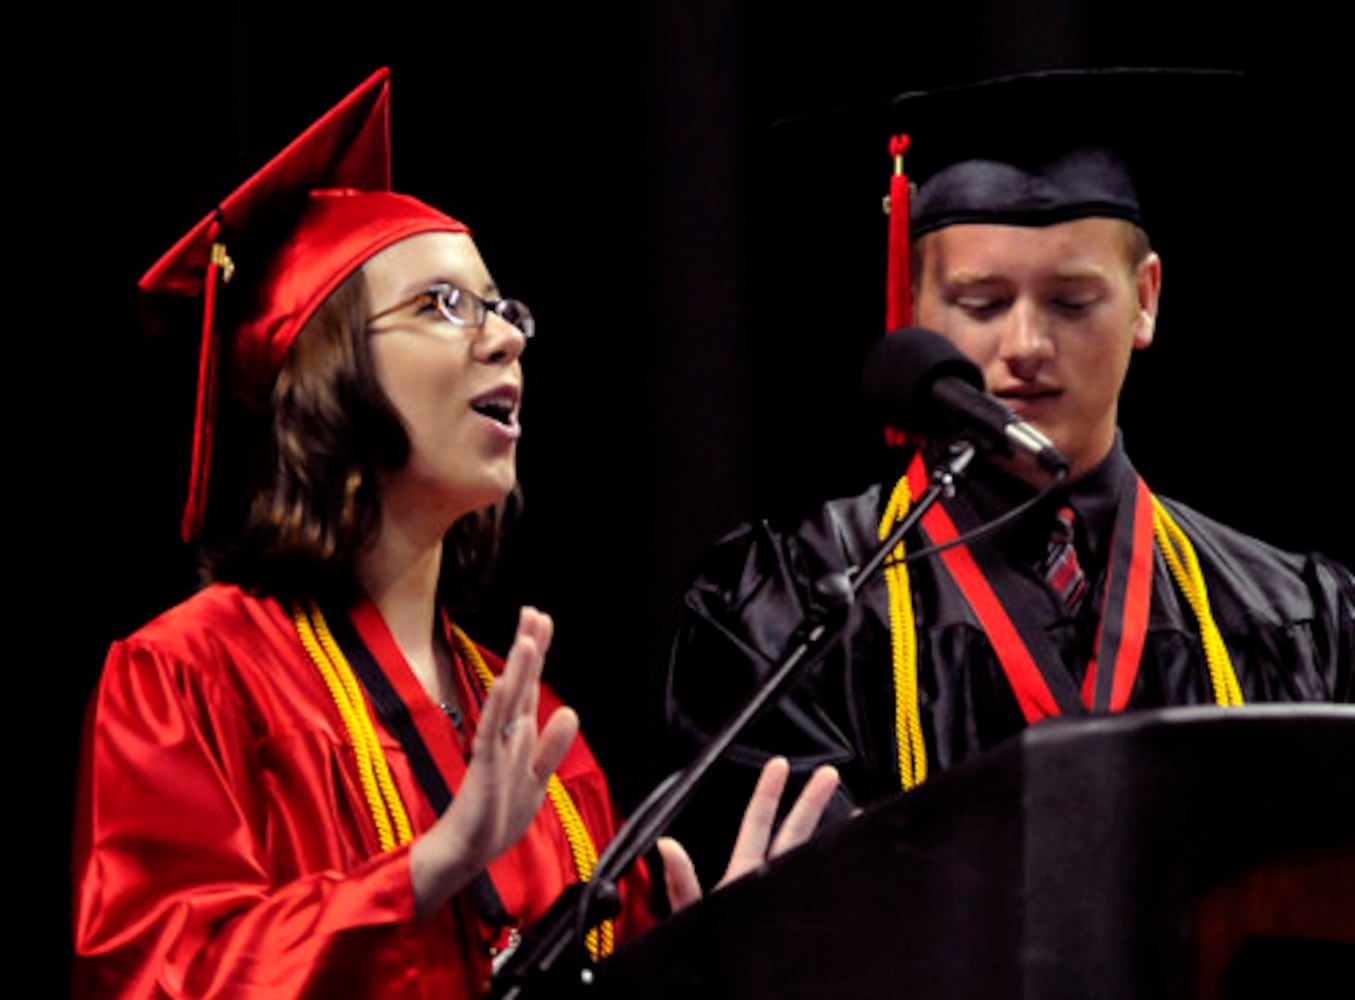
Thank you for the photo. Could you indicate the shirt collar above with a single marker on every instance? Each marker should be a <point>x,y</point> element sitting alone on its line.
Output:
<point>1094,496</point>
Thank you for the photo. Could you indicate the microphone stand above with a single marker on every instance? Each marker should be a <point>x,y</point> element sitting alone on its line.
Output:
<point>538,958</point>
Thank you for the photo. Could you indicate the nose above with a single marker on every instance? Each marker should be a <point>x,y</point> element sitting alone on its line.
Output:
<point>499,341</point>
<point>1026,340</point>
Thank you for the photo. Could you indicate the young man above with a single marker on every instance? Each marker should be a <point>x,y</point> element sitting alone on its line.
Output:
<point>1029,257</point>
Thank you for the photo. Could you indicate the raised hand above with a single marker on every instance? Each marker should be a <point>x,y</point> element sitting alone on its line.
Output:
<point>755,843</point>
<point>511,761</point>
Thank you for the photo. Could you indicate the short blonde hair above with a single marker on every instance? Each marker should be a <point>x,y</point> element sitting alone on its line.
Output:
<point>1133,238</point>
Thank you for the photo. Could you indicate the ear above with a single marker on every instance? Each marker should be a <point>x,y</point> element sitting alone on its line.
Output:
<point>1148,286</point>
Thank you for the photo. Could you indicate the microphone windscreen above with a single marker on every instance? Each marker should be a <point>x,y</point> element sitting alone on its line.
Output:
<point>901,370</point>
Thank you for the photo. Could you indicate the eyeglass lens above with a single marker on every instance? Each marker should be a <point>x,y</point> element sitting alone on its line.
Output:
<point>469,309</point>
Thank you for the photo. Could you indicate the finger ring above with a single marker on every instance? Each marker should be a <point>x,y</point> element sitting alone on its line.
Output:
<point>510,727</point>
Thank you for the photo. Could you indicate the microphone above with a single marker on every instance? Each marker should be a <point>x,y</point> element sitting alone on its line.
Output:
<point>916,380</point>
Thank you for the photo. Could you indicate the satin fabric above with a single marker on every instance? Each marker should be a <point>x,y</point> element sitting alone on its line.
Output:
<point>1288,621</point>
<point>223,846</point>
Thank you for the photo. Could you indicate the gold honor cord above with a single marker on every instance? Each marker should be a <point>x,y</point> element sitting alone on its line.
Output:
<point>383,799</point>
<point>1176,549</point>
<point>601,940</point>
<point>912,749</point>
<point>1185,569</point>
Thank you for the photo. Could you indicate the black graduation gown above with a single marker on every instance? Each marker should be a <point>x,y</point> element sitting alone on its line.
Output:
<point>1287,620</point>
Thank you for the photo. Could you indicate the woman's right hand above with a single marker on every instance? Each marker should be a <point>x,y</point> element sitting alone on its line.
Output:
<point>510,764</point>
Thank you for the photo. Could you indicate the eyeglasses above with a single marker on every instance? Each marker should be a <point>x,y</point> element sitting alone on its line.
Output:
<point>462,308</point>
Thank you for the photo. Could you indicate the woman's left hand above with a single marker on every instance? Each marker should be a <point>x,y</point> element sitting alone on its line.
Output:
<point>755,844</point>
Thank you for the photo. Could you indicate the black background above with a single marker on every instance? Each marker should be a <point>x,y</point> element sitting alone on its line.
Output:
<point>705,300</point>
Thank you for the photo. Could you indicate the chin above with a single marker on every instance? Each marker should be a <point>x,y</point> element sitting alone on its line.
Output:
<point>497,491</point>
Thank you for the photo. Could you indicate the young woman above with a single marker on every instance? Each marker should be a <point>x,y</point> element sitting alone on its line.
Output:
<point>306,780</point>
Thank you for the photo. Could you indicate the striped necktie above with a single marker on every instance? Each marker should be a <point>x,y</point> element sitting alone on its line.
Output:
<point>1061,567</point>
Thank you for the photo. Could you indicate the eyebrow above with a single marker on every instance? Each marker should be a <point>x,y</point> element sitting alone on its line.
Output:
<point>970,278</point>
<point>1079,272</point>
<point>490,291</point>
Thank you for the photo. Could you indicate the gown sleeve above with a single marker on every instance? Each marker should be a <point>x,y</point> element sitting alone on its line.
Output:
<point>177,856</point>
<point>745,598</point>
<point>1334,625</point>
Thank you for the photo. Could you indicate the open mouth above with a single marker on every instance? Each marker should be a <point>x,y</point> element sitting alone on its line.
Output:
<point>498,410</point>
<point>499,405</point>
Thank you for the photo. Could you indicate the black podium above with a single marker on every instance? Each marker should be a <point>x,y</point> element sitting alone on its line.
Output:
<point>1183,853</point>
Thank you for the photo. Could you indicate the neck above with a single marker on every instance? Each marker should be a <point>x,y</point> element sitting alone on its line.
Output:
<point>399,573</point>
<point>1028,472</point>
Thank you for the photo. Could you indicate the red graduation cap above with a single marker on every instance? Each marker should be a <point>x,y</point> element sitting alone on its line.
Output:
<point>280,244</point>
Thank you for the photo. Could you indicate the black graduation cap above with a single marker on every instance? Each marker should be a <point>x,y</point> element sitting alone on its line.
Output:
<point>1042,148</point>
<point>1037,149</point>
<point>1181,151</point>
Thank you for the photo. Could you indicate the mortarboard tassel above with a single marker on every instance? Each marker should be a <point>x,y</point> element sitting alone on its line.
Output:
<point>219,269</point>
<point>899,301</point>
<point>899,291</point>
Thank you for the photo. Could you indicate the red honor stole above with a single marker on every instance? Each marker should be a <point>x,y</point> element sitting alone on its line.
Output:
<point>424,732</point>
<point>1031,663</point>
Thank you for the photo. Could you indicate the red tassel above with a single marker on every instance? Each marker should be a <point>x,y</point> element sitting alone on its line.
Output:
<point>899,289</point>
<point>899,301</point>
<point>204,417</point>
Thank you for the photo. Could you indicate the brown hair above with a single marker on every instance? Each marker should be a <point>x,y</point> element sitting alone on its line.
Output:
<point>314,501</point>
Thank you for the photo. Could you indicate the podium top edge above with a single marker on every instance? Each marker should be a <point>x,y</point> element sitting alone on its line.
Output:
<point>1268,715</point>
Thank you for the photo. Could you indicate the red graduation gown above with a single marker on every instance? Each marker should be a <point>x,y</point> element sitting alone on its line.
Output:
<point>223,846</point>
